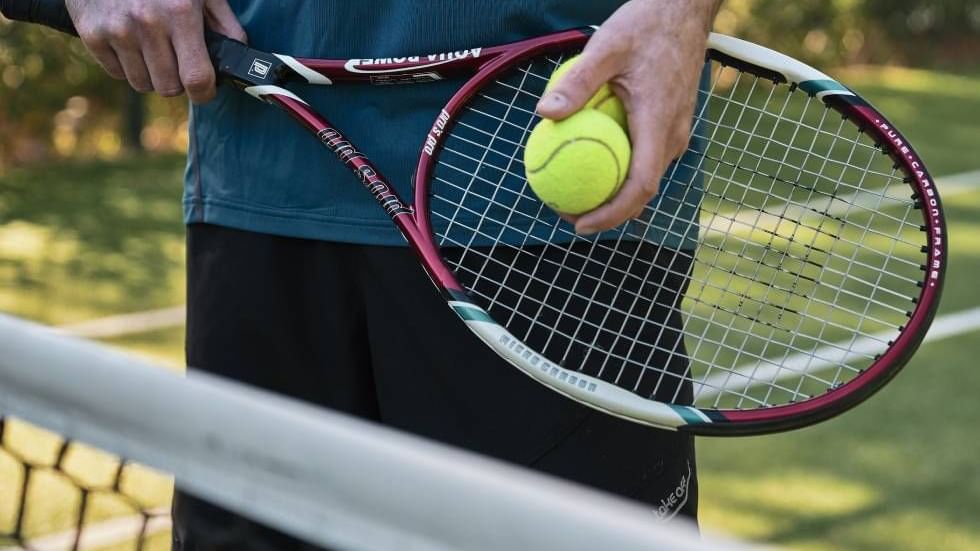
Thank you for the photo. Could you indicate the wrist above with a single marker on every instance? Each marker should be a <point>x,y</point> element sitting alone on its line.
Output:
<point>696,13</point>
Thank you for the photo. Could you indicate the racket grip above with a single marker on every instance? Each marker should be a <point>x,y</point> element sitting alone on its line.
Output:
<point>51,13</point>
<point>54,14</point>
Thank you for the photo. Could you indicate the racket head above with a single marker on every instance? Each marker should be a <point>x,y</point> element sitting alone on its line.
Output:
<point>809,276</point>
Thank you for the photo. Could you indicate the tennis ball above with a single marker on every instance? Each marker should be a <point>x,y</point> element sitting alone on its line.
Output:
<point>605,100</point>
<point>577,164</point>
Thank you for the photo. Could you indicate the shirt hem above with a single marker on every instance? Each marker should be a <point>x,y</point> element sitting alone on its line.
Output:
<point>293,224</point>
<point>305,225</point>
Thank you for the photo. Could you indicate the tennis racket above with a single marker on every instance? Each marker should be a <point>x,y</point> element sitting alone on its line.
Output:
<point>791,266</point>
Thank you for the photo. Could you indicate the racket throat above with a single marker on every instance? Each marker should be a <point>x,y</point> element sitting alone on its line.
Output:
<point>369,176</point>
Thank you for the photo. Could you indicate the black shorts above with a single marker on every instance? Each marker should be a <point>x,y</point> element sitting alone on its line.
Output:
<point>361,329</point>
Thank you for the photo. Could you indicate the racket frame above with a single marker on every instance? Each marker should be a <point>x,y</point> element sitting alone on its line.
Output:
<point>262,75</point>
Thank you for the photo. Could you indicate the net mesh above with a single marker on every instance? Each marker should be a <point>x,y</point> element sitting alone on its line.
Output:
<point>780,258</point>
<point>59,495</point>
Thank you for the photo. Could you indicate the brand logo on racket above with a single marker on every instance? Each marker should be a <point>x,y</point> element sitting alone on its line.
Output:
<point>259,68</point>
<point>336,142</point>
<point>415,62</point>
<point>537,362</point>
<point>437,131</point>
<point>930,200</point>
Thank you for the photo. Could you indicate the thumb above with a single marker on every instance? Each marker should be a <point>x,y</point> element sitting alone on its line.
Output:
<point>576,87</point>
<point>222,19</point>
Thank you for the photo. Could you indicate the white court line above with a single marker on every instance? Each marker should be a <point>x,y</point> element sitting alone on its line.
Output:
<point>954,184</point>
<point>958,183</point>
<point>722,224</point>
<point>127,324</point>
<point>833,355</point>
<point>943,327</point>
<point>142,322</point>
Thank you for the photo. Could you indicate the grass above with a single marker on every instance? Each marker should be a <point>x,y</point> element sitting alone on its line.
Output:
<point>80,241</point>
<point>85,240</point>
<point>900,472</point>
<point>937,112</point>
<point>860,481</point>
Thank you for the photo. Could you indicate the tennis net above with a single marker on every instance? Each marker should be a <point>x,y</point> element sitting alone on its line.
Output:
<point>78,421</point>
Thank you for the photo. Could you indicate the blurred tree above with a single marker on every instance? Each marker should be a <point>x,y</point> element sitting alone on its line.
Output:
<point>833,32</point>
<point>41,75</point>
<point>809,29</point>
<point>134,119</point>
<point>54,100</point>
<point>926,31</point>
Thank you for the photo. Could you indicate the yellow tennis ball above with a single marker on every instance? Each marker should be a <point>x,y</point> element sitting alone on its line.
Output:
<point>605,100</point>
<point>577,164</point>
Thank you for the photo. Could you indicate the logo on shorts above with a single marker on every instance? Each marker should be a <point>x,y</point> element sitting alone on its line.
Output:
<point>673,502</point>
<point>259,69</point>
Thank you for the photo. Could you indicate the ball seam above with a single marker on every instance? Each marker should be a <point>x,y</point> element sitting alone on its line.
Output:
<point>554,153</point>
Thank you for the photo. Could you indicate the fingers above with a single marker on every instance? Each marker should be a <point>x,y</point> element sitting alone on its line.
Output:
<point>221,19</point>
<point>196,70</point>
<point>597,65</point>
<point>661,44</point>
<point>658,137</point>
<point>102,39</point>
<point>161,64</point>
<point>156,45</point>
<point>106,56</point>
<point>641,185</point>
<point>133,65</point>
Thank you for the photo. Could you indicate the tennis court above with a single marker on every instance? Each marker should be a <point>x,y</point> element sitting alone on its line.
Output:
<point>85,242</point>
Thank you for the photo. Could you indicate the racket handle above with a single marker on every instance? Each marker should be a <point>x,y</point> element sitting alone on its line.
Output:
<point>54,14</point>
<point>51,13</point>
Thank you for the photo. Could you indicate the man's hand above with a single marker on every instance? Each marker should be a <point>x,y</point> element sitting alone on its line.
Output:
<point>157,45</point>
<point>651,52</point>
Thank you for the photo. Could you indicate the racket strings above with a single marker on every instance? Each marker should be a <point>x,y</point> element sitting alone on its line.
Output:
<point>798,269</point>
<point>772,283</point>
<point>830,198</point>
<point>760,210</point>
<point>544,304</point>
<point>754,375</point>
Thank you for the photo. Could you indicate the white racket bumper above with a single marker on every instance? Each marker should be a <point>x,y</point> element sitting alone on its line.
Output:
<point>588,390</point>
<point>795,72</point>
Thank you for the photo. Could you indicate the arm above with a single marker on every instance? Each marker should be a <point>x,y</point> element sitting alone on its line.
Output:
<point>651,52</point>
<point>156,45</point>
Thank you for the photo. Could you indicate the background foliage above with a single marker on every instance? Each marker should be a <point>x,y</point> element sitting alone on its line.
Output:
<point>92,235</point>
<point>931,33</point>
<point>56,102</point>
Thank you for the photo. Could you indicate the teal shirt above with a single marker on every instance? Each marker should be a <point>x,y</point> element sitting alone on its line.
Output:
<point>251,167</point>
